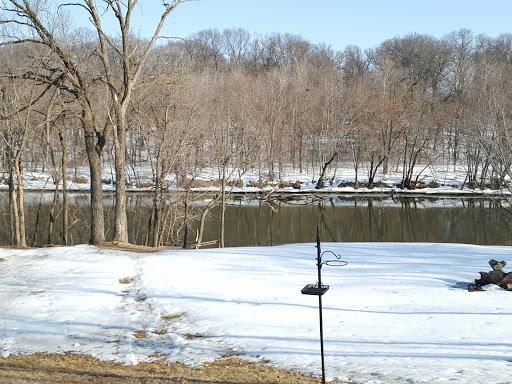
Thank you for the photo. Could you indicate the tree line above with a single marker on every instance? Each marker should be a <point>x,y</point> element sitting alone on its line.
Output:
<point>237,102</point>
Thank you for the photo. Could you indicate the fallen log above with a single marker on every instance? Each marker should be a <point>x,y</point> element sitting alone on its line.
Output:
<point>492,277</point>
<point>496,277</point>
<point>506,283</point>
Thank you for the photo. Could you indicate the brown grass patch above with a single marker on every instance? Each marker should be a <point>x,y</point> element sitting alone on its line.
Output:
<point>144,185</point>
<point>289,184</point>
<point>185,182</point>
<point>70,368</point>
<point>171,317</point>
<point>80,180</point>
<point>126,280</point>
<point>1,259</point>
<point>140,335</point>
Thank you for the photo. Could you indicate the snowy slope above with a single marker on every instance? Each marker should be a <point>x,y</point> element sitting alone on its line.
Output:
<point>399,312</point>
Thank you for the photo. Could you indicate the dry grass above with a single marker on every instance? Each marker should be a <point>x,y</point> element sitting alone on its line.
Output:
<point>70,368</point>
<point>80,180</point>
<point>171,317</point>
<point>127,280</point>
<point>185,182</point>
<point>140,335</point>
<point>128,247</point>
<point>1,259</point>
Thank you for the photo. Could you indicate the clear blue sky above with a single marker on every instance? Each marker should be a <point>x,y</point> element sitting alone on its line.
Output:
<point>335,22</point>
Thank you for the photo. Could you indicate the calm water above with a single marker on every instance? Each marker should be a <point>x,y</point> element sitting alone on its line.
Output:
<point>254,222</point>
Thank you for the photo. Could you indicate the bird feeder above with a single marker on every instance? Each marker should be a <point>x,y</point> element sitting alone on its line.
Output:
<point>319,290</point>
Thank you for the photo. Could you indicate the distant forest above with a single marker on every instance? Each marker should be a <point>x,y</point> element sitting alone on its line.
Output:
<point>238,102</point>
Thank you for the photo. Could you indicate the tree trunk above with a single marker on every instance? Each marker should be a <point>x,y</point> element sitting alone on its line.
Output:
<point>93,150</point>
<point>65,212</point>
<point>38,217</point>
<point>154,225</point>
<point>120,220</point>
<point>388,134</point>
<point>185,217</point>
<point>155,219</point>
<point>13,204</point>
<point>52,214</point>
<point>320,183</point>
<point>19,198</point>
<point>223,203</point>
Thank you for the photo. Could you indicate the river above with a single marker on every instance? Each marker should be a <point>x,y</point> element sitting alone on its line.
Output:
<point>251,221</point>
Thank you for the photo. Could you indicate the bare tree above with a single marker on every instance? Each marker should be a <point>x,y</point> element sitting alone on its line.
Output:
<point>175,120</point>
<point>17,125</point>
<point>355,63</point>
<point>207,48</point>
<point>26,23</point>
<point>133,57</point>
<point>236,42</point>
<point>423,57</point>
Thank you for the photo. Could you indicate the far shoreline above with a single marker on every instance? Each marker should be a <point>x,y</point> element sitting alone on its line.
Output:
<point>445,192</point>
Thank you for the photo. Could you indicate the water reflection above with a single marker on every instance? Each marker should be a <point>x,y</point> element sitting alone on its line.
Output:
<point>474,221</point>
<point>255,222</point>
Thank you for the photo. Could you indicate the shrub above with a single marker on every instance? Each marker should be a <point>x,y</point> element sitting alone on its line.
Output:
<point>144,185</point>
<point>80,180</point>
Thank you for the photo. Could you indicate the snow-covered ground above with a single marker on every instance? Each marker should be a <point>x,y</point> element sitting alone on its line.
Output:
<point>450,180</point>
<point>397,313</point>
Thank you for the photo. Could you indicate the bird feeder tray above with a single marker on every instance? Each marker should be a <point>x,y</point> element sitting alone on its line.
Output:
<point>314,289</point>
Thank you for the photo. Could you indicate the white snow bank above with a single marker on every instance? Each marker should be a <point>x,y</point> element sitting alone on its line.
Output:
<point>451,181</point>
<point>399,312</point>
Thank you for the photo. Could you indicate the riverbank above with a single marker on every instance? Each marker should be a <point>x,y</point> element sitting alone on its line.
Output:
<point>437,180</point>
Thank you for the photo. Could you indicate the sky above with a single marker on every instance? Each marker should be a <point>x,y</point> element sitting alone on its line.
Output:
<point>337,23</point>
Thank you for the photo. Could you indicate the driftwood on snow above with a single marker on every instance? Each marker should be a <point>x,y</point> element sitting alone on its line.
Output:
<point>497,276</point>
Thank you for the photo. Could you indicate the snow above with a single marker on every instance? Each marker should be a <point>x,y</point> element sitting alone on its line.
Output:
<point>397,313</point>
<point>451,181</point>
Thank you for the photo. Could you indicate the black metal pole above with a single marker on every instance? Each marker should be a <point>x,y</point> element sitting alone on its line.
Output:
<point>319,265</point>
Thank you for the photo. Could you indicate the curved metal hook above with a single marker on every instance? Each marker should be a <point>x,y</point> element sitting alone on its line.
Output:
<point>333,263</point>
